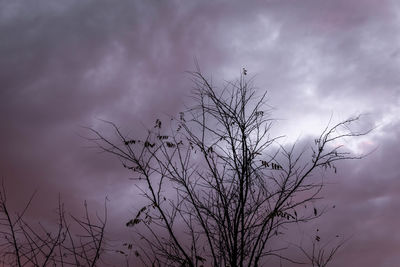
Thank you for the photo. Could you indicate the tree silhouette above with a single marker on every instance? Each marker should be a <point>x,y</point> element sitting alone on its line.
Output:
<point>219,188</point>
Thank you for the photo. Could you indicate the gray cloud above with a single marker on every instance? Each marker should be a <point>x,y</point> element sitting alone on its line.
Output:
<point>64,65</point>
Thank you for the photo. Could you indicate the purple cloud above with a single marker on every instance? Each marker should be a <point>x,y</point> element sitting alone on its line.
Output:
<point>67,65</point>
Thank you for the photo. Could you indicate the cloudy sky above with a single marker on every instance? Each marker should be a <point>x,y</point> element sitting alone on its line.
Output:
<point>67,64</point>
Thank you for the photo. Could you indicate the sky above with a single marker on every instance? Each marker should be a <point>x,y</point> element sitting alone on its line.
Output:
<point>65,65</point>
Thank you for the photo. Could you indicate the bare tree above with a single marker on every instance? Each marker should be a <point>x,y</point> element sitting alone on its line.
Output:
<point>219,188</point>
<point>67,244</point>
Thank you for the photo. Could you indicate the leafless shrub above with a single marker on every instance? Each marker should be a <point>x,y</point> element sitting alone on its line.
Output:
<point>71,242</point>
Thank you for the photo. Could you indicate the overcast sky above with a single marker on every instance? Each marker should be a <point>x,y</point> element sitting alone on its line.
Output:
<point>67,64</point>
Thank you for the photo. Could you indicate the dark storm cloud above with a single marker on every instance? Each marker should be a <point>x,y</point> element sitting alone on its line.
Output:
<point>64,66</point>
<point>339,52</point>
<point>67,64</point>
